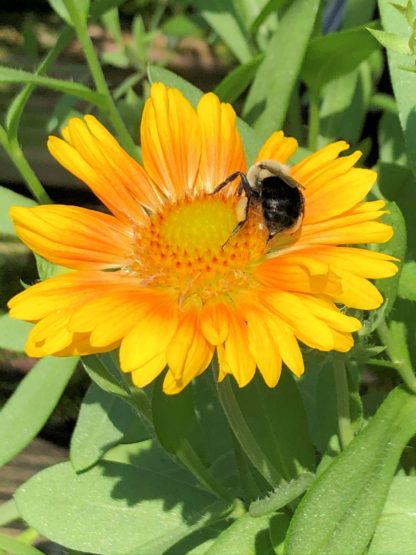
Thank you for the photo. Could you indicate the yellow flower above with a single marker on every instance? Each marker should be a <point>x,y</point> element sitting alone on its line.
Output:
<point>163,277</point>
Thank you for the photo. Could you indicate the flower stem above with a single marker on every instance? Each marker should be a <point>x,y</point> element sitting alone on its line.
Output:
<point>313,124</point>
<point>242,431</point>
<point>346,433</point>
<point>16,155</point>
<point>80,24</point>
<point>395,353</point>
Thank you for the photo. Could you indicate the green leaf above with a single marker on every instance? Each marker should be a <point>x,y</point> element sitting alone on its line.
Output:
<point>16,547</point>
<point>270,93</point>
<point>269,8</point>
<point>391,41</point>
<point>235,83</point>
<point>59,7</point>
<point>114,508</point>
<point>246,535</point>
<point>270,424</point>
<point>31,404</point>
<point>181,26</point>
<point>225,20</point>
<point>357,12</point>
<point>100,7</point>
<point>391,140</point>
<point>397,524</point>
<point>104,372</point>
<point>278,529</point>
<point>13,333</point>
<point>345,103</point>
<point>102,422</point>
<point>16,107</point>
<point>396,247</point>
<point>10,75</point>
<point>317,387</point>
<point>8,512</point>
<point>48,269</point>
<point>251,141</point>
<point>111,21</point>
<point>404,83</point>
<point>340,511</point>
<point>281,496</point>
<point>7,200</point>
<point>324,61</point>
<point>397,184</point>
<point>173,416</point>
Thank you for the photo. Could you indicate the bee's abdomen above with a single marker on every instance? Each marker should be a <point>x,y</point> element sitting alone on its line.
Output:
<point>282,205</point>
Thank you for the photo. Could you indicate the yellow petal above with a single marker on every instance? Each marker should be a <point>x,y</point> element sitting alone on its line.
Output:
<point>338,195</point>
<point>171,140</point>
<point>149,370</point>
<point>237,359</point>
<point>214,322</point>
<point>278,147</point>
<point>74,237</point>
<point>188,352</point>
<point>149,338</point>
<point>222,151</point>
<point>316,163</point>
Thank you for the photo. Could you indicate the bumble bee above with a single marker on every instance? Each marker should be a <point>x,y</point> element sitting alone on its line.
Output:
<point>269,186</point>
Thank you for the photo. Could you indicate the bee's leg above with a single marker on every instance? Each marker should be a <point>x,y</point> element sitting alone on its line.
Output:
<point>229,179</point>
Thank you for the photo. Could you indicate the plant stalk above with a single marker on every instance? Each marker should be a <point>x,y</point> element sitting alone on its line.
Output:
<point>346,433</point>
<point>81,28</point>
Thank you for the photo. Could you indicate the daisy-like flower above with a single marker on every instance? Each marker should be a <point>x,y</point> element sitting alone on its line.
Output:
<point>164,278</point>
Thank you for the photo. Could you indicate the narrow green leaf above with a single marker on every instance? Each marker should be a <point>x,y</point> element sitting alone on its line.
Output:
<point>224,19</point>
<point>235,83</point>
<point>404,83</point>
<point>170,79</point>
<point>99,7</point>
<point>16,107</point>
<point>269,96</point>
<point>102,422</point>
<point>396,183</point>
<point>10,75</point>
<point>340,511</point>
<point>270,425</point>
<point>102,370</point>
<point>13,333</point>
<point>391,142</point>
<point>246,535</point>
<point>59,7</point>
<point>16,547</point>
<point>278,529</point>
<point>270,7</point>
<point>7,200</point>
<point>397,525</point>
<point>345,103</point>
<point>173,416</point>
<point>323,62</point>
<point>114,508</point>
<point>358,12</point>
<point>281,496</point>
<point>396,247</point>
<point>391,41</point>
<point>251,141</point>
<point>111,20</point>
<point>31,404</point>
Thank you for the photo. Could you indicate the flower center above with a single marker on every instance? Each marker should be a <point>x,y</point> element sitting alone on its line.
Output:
<point>191,245</point>
<point>198,225</point>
